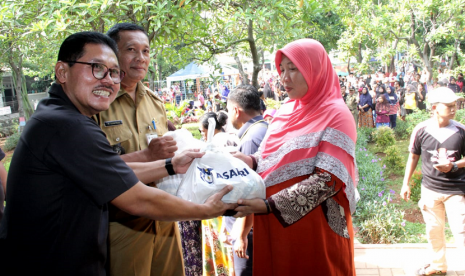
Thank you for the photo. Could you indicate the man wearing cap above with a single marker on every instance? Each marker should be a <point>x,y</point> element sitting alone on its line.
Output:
<point>440,141</point>
<point>352,102</point>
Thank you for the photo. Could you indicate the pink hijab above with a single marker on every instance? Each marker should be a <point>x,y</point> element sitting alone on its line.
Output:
<point>317,130</point>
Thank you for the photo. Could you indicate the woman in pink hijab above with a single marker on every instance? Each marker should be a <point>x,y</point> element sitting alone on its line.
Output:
<point>307,160</point>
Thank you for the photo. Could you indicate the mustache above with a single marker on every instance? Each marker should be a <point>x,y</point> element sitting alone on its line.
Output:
<point>105,86</point>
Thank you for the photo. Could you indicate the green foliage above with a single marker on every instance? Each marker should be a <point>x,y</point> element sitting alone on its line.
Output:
<point>364,136</point>
<point>384,137</point>
<point>378,220</point>
<point>401,129</point>
<point>384,225</point>
<point>194,129</point>
<point>460,115</point>
<point>415,118</point>
<point>272,104</point>
<point>7,165</point>
<point>12,141</point>
<point>393,160</point>
<point>415,186</point>
<point>416,232</point>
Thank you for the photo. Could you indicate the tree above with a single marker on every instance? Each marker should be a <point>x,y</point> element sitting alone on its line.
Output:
<point>257,26</point>
<point>15,46</point>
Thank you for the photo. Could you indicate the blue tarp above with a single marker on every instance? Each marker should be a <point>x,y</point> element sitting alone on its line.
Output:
<point>190,70</point>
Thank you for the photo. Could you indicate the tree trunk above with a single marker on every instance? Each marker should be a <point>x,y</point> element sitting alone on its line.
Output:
<point>348,65</point>
<point>1,84</point>
<point>160,75</point>
<point>17,75</point>
<point>392,66</point>
<point>255,57</point>
<point>151,77</point>
<point>359,53</point>
<point>454,56</point>
<point>244,76</point>
<point>428,50</point>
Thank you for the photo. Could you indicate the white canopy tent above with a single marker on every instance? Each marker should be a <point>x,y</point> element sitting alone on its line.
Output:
<point>193,71</point>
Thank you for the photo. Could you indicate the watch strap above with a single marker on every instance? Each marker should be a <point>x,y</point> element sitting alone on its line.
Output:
<point>169,167</point>
<point>454,167</point>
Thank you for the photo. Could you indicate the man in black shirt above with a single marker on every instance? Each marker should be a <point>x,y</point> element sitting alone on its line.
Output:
<point>3,174</point>
<point>64,173</point>
<point>440,141</point>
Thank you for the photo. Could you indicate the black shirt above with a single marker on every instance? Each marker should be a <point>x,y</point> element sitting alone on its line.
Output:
<point>437,145</point>
<point>2,193</point>
<point>61,178</point>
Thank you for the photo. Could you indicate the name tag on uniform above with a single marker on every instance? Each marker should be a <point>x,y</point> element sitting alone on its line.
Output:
<point>113,123</point>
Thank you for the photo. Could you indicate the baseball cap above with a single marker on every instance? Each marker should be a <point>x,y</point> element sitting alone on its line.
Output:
<point>442,95</point>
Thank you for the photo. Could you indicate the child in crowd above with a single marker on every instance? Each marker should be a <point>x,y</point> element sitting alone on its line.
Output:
<point>382,111</point>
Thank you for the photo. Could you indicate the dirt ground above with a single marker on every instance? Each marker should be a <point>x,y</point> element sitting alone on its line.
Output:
<point>412,214</point>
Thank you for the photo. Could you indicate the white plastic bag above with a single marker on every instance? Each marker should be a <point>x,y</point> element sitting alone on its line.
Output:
<point>184,140</point>
<point>216,169</point>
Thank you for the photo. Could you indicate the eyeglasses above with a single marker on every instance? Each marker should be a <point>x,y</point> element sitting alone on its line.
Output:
<point>100,71</point>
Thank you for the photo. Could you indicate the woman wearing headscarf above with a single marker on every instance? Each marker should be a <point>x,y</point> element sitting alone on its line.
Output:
<point>393,101</point>
<point>410,99</point>
<point>365,118</point>
<point>421,97</point>
<point>268,93</point>
<point>304,227</point>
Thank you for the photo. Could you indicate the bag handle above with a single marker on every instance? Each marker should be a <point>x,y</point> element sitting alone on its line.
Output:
<point>211,129</point>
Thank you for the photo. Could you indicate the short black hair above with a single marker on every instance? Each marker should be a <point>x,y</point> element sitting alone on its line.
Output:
<point>113,33</point>
<point>247,97</point>
<point>72,48</point>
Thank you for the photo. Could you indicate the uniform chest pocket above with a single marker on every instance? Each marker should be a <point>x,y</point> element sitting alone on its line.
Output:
<point>117,134</point>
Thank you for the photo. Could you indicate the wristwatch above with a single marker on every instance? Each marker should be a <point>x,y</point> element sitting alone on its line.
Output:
<point>169,167</point>
<point>454,167</point>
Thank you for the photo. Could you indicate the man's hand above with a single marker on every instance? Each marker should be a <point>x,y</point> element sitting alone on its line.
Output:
<point>250,206</point>
<point>161,148</point>
<point>240,247</point>
<point>215,207</point>
<point>405,192</point>
<point>445,168</point>
<point>182,161</point>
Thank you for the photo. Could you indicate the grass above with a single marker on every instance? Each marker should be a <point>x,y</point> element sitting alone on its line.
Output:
<point>193,128</point>
<point>416,230</point>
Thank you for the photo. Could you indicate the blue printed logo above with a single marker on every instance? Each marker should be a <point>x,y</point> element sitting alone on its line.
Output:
<point>206,174</point>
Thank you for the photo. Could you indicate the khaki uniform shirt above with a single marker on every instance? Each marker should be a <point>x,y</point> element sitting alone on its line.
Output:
<point>351,102</point>
<point>135,119</point>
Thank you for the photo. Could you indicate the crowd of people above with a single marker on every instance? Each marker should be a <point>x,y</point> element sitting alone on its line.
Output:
<point>83,176</point>
<point>84,171</point>
<point>380,99</point>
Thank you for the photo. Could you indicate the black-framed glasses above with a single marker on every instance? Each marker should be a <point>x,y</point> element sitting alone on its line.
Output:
<point>100,71</point>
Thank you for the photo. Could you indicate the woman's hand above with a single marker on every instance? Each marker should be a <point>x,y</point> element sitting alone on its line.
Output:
<point>245,158</point>
<point>240,247</point>
<point>250,206</point>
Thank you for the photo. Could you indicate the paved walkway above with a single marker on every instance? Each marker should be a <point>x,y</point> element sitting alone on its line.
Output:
<point>401,259</point>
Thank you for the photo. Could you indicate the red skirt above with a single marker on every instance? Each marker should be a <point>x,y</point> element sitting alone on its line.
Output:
<point>307,247</point>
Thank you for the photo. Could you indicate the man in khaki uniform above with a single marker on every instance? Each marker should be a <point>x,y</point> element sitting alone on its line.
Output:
<point>139,246</point>
<point>351,102</point>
